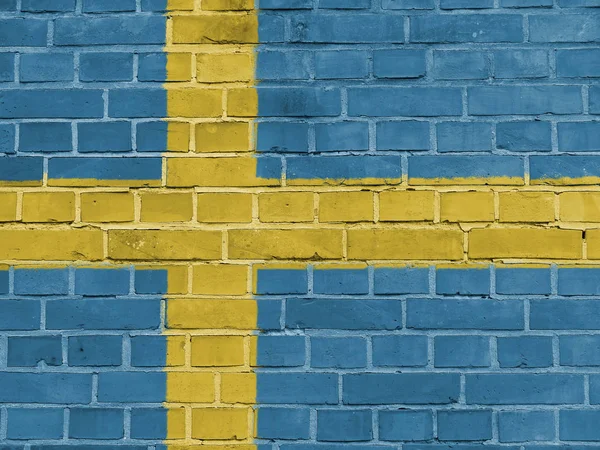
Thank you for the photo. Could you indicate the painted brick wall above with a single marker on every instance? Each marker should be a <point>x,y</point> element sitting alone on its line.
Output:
<point>299,224</point>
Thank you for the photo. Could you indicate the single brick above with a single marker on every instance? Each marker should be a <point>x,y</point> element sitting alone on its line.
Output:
<point>102,282</point>
<point>48,207</point>
<point>152,281</point>
<point>579,425</point>
<point>274,65</point>
<point>40,388</point>
<point>344,4</point>
<point>497,100</point>
<point>579,206</point>
<point>340,281</point>
<point>269,314</point>
<point>346,207</point>
<point>466,28</point>
<point>282,137</point>
<point>462,351</point>
<point>564,28</point>
<point>399,351</point>
<point>222,137</point>
<point>28,171</point>
<point>578,3</point>
<point>286,207</point>
<point>344,426</point>
<point>525,426</point>
<point>524,136</point>
<point>163,136</point>
<point>220,423</point>
<point>282,423</point>
<point>526,3</point>
<point>469,425</point>
<point>460,65</point>
<point>341,64</point>
<point>72,245</point>
<point>342,136</point>
<point>4,281</point>
<point>95,6</point>
<point>115,30</point>
<point>23,32</point>
<point>224,28</point>
<point>466,4</point>
<point>392,388</point>
<point>285,4</point>
<point>7,137</point>
<point>107,207</point>
<point>526,206</point>
<point>399,63</point>
<point>169,207</point>
<point>132,387</point>
<point>564,169</point>
<point>406,206</point>
<point>38,67</point>
<point>464,137</point>
<point>578,63</point>
<point>151,423</point>
<point>465,314</point>
<point>297,388</point>
<point>578,281</point>
<point>51,103</point>
<point>220,279</point>
<point>217,351</point>
<point>467,206</point>
<point>19,315</point>
<point>45,137</point>
<point>343,169</point>
<point>405,425</point>
<point>281,281</point>
<point>104,137</point>
<point>32,281</point>
<point>224,207</point>
<point>223,67</point>
<point>293,102</point>
<point>579,136</point>
<point>280,351</point>
<point>153,67</point>
<point>48,5</point>
<point>8,210</point>
<point>578,351</point>
<point>533,281</point>
<point>8,5</point>
<point>341,28</point>
<point>511,64</point>
<point>35,423</point>
<point>7,67</point>
<point>524,389</point>
<point>29,351</point>
<point>157,351</point>
<point>96,423</point>
<point>407,4</point>
<point>403,135</point>
<point>463,281</point>
<point>564,314</point>
<point>341,353</point>
<point>401,280</point>
<point>95,350</point>
<point>190,314</point>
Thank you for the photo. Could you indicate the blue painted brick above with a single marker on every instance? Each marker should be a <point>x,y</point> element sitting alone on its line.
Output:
<point>37,67</point>
<point>152,136</point>
<point>526,3</point>
<point>524,389</point>
<point>405,425</point>
<point>104,137</point>
<point>152,67</point>
<point>48,5</point>
<point>45,137</point>
<point>105,168</point>
<point>525,351</point>
<point>514,63</point>
<point>341,281</point>
<point>298,102</point>
<point>90,447</point>
<point>284,281</point>
<point>99,6</point>
<point>407,4</point>
<point>346,315</point>
<point>280,351</point>
<point>106,67</point>
<point>466,4</point>
<point>96,423</point>
<point>23,32</point>
<point>22,169</point>
<point>342,353</point>
<point>579,136</point>
<point>399,63</point>
<point>496,100</point>
<point>4,281</point>
<point>39,423</point>
<point>563,166</point>
<point>343,167</point>
<point>51,103</point>
<point>460,65</point>
<point>103,314</point>
<point>283,423</point>
<point>523,426</point>
<point>8,5</point>
<point>578,281</point>
<point>393,101</point>
<point>344,426</point>
<point>512,281</point>
<point>274,65</point>
<point>29,351</point>
<point>399,351</point>
<point>7,66</point>
<point>457,281</point>
<point>458,166</point>
<point>564,28</point>
<point>470,425</point>
<point>344,4</point>
<point>286,4</point>
<point>271,28</point>
<point>392,388</point>
<point>344,28</point>
<point>462,351</point>
<point>403,135</point>
<point>115,30</point>
<point>7,138</point>
<point>405,280</point>
<point>594,389</point>
<point>269,314</point>
<point>578,3</point>
<point>132,387</point>
<point>148,351</point>
<point>282,137</point>
<point>579,425</point>
<point>297,388</point>
<point>465,314</point>
<point>149,423</point>
<point>464,137</point>
<point>578,63</point>
<point>579,351</point>
<point>40,388</point>
<point>151,281</point>
<point>564,314</point>
<point>466,28</point>
<point>95,350</point>
<point>342,136</point>
<point>340,64</point>
<point>19,315</point>
<point>98,282</point>
<point>524,136</point>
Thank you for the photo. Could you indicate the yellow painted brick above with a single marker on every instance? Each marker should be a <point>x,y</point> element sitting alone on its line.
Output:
<point>175,423</point>
<point>224,207</point>
<point>107,207</point>
<point>238,388</point>
<point>286,207</point>
<point>179,66</point>
<point>219,446</point>
<point>215,28</point>
<point>217,351</point>
<point>242,102</point>
<point>223,137</point>
<point>525,243</point>
<point>171,207</point>
<point>224,67</point>
<point>285,244</point>
<point>175,351</point>
<point>8,206</point>
<point>221,279</point>
<point>190,387</point>
<point>45,245</point>
<point>579,206</point>
<point>178,136</point>
<point>164,244</point>
<point>406,206</point>
<point>220,423</point>
<point>48,207</point>
<point>209,172</point>
<point>227,5</point>
<point>467,206</point>
<point>194,103</point>
<point>592,238</point>
<point>180,5</point>
<point>398,243</point>
<point>207,314</point>
<point>177,277</point>
<point>526,206</point>
<point>346,207</point>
